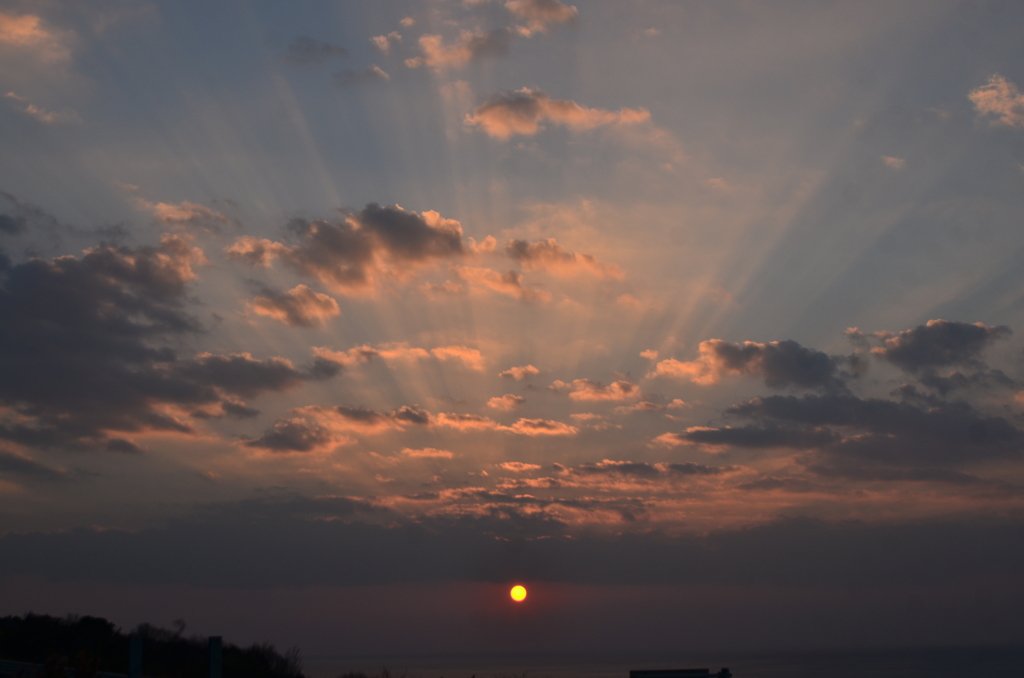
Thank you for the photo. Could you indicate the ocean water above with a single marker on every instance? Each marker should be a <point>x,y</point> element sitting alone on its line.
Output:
<point>976,662</point>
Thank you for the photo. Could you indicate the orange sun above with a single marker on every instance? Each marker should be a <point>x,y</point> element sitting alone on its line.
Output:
<point>518,593</point>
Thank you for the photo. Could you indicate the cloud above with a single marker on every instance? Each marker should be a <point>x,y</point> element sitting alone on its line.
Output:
<point>886,431</point>
<point>464,422</point>
<point>506,403</point>
<point>542,427</point>
<point>23,468</point>
<point>63,117</point>
<point>894,163</point>
<point>242,375</point>
<point>384,42</point>
<point>305,50</point>
<point>780,363</point>
<point>184,214</point>
<point>320,429</point>
<point>298,435</point>
<point>756,437</point>
<point>350,78</point>
<point>641,469</point>
<point>548,255</point>
<point>470,358</point>
<point>540,14</point>
<point>509,283</point>
<point>938,343</point>
<point>519,466</point>
<point>347,255</point>
<point>526,427</point>
<point>1000,99</point>
<point>471,46</point>
<point>587,390</point>
<point>298,307</point>
<point>27,32</point>
<point>427,453</point>
<point>86,350</point>
<point>524,111</point>
<point>519,373</point>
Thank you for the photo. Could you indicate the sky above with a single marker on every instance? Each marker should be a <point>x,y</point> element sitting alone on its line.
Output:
<point>326,322</point>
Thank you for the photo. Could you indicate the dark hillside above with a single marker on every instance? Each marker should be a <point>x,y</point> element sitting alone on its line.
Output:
<point>91,644</point>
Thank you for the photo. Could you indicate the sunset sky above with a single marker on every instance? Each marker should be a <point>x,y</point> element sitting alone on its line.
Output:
<point>327,322</point>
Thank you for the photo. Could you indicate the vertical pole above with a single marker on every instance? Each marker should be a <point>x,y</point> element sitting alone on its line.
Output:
<point>215,657</point>
<point>135,657</point>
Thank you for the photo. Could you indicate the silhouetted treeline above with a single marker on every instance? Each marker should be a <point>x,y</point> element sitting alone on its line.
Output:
<point>90,645</point>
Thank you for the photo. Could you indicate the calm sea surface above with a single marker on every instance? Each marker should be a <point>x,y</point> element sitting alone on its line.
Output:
<point>987,662</point>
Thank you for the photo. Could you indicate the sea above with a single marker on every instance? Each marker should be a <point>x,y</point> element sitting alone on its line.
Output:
<point>964,662</point>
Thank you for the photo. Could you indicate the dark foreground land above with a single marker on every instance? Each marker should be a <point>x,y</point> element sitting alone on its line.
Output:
<point>87,646</point>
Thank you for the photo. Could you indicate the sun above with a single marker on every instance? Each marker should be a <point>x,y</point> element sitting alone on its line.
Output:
<point>518,593</point>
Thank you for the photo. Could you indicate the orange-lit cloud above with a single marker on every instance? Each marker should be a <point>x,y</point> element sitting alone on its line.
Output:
<point>519,466</point>
<point>298,307</point>
<point>63,117</point>
<point>780,363</point>
<point>509,283</point>
<point>348,256</point>
<point>470,46</point>
<point>27,32</point>
<point>1000,99</point>
<point>427,453</point>
<point>183,214</point>
<point>542,427</point>
<point>519,373</point>
<point>506,403</point>
<point>524,111</point>
<point>470,358</point>
<point>540,14</point>
<point>587,390</point>
<point>548,255</point>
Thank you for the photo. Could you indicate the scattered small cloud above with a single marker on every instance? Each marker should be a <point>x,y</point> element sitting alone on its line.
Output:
<point>470,46</point>
<point>894,163</point>
<point>1000,100</point>
<point>519,466</point>
<point>298,307</point>
<point>426,453</point>
<point>506,403</point>
<point>524,111</point>
<point>65,116</point>
<point>541,14</point>
<point>384,42</point>
<point>519,373</point>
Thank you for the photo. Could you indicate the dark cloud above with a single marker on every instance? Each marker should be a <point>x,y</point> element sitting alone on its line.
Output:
<point>305,50</point>
<point>895,432</point>
<point>83,349</point>
<point>939,343</point>
<point>771,484</point>
<point>317,428</point>
<point>247,377</point>
<point>640,469</point>
<point>865,472</point>
<point>23,468</point>
<point>254,544</point>
<point>758,436</point>
<point>349,78</point>
<point>347,254</point>
<point>294,435</point>
<point>12,224</point>
<point>780,363</point>
<point>959,381</point>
